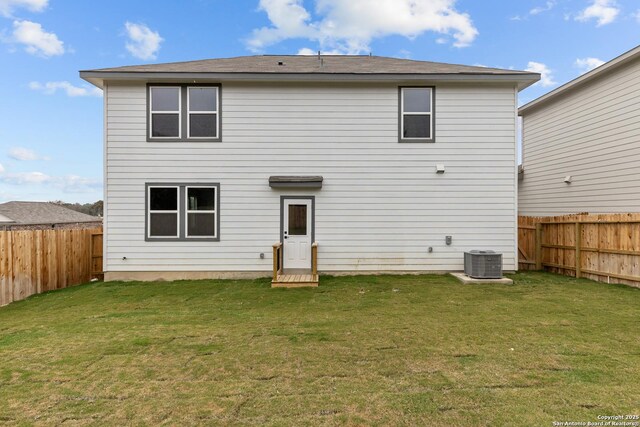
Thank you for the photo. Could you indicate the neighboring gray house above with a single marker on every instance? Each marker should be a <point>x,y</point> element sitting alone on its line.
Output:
<point>41,215</point>
<point>208,163</point>
<point>581,144</point>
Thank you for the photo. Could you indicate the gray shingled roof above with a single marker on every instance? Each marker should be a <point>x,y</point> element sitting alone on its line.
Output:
<point>330,64</point>
<point>42,213</point>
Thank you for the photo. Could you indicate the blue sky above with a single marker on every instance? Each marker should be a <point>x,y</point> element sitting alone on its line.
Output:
<point>51,120</point>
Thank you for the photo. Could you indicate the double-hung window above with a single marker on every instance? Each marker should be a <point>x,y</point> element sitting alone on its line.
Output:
<point>183,212</point>
<point>183,113</point>
<point>201,212</point>
<point>416,114</point>
<point>163,215</point>
<point>164,112</point>
<point>202,110</point>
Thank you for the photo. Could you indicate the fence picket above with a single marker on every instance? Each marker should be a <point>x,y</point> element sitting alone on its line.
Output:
<point>35,261</point>
<point>604,247</point>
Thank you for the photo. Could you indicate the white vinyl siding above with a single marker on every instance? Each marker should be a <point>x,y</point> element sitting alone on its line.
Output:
<point>381,206</point>
<point>592,134</point>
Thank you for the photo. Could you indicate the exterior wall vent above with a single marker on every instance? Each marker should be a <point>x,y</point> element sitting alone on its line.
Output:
<point>483,264</point>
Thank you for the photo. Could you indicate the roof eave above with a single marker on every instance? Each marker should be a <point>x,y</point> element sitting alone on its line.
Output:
<point>98,78</point>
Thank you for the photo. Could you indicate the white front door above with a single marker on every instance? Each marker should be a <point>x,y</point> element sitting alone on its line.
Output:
<point>296,232</point>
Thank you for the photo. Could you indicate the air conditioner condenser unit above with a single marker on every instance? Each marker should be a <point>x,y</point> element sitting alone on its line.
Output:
<point>483,264</point>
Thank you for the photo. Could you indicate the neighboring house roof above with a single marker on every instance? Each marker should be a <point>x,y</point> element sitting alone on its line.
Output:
<point>6,220</point>
<point>26,213</point>
<point>309,67</point>
<point>584,79</point>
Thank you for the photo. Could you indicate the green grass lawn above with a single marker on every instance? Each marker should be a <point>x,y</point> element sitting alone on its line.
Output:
<point>368,350</point>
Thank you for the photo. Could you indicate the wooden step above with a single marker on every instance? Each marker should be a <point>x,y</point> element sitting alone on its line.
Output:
<point>295,281</point>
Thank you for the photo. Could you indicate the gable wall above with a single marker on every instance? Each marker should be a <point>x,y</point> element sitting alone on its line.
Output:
<point>592,134</point>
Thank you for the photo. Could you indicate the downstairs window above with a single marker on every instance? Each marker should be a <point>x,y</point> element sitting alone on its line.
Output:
<point>182,212</point>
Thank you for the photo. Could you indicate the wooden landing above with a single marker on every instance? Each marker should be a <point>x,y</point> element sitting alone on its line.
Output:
<point>295,281</point>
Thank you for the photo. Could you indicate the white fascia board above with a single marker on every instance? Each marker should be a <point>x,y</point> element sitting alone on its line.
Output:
<point>97,78</point>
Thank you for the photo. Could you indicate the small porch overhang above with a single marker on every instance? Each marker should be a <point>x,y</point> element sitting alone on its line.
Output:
<point>295,181</point>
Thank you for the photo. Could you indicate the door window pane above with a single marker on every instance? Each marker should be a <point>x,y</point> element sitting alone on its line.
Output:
<point>203,99</point>
<point>163,224</point>
<point>416,100</point>
<point>165,125</point>
<point>165,99</point>
<point>297,220</point>
<point>202,125</point>
<point>163,199</point>
<point>201,224</point>
<point>417,126</point>
<point>201,199</point>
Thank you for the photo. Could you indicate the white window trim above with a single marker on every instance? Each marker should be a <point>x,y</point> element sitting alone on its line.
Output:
<point>152,112</point>
<point>177,212</point>
<point>189,112</point>
<point>187,211</point>
<point>416,113</point>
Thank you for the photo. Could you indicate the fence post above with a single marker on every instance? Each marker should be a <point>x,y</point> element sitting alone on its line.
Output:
<point>314,258</point>
<point>538,246</point>
<point>275,262</point>
<point>578,250</point>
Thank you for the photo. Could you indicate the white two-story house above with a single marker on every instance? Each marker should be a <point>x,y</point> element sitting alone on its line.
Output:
<point>581,144</point>
<point>390,165</point>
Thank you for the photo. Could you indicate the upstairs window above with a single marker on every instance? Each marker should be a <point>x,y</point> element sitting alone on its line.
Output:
<point>183,113</point>
<point>416,114</point>
<point>165,112</point>
<point>203,112</point>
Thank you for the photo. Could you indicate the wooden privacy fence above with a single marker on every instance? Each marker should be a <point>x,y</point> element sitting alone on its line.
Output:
<point>605,248</point>
<point>35,261</point>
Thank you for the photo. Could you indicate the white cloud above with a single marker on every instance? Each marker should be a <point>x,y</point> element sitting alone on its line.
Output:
<point>76,184</point>
<point>306,51</point>
<point>8,6</point>
<point>636,15</point>
<point>348,26</point>
<point>66,183</point>
<point>309,51</point>
<point>1,168</point>
<point>25,154</point>
<point>546,78</point>
<point>540,9</point>
<point>36,40</point>
<point>603,11</point>
<point>49,88</point>
<point>143,42</point>
<point>21,178</point>
<point>547,6</point>
<point>588,64</point>
<point>404,53</point>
